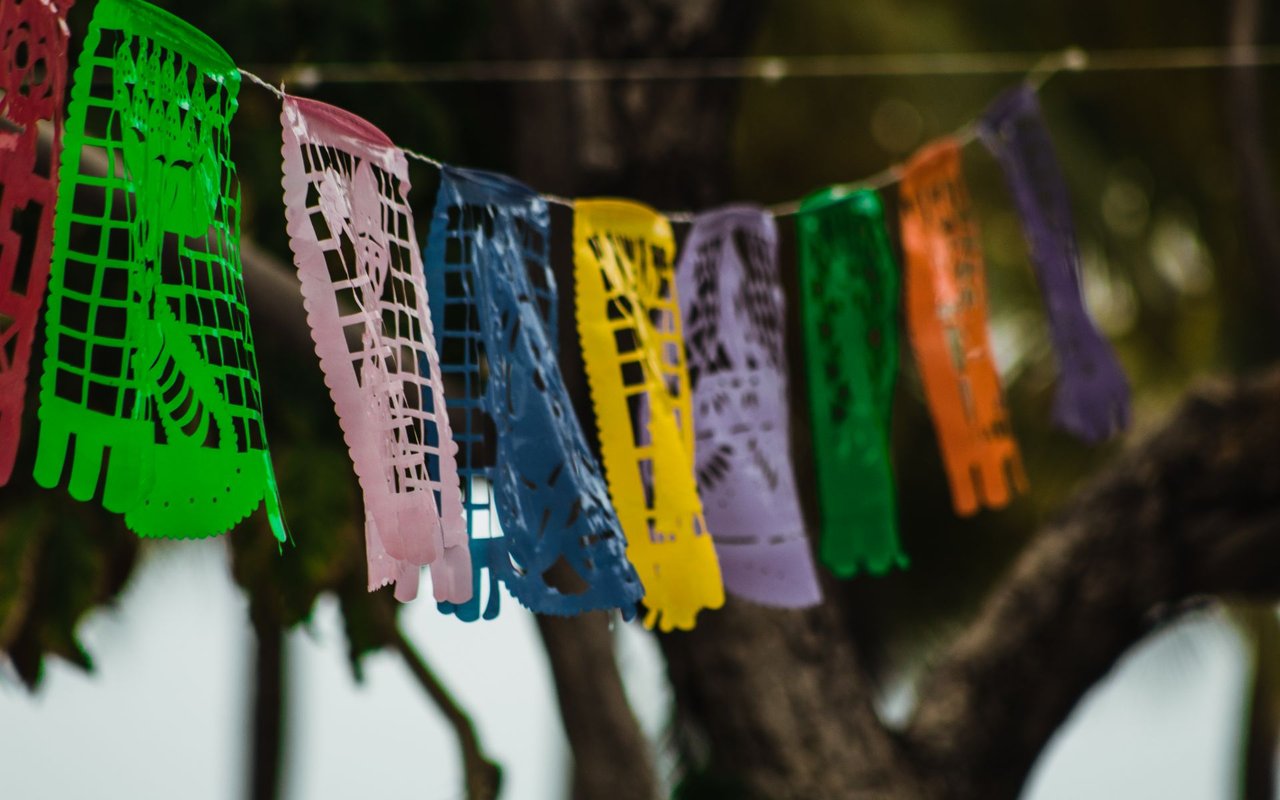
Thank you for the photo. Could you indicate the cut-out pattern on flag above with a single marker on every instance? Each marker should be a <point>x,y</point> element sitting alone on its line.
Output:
<point>1092,396</point>
<point>33,82</point>
<point>522,454</point>
<point>947,322</point>
<point>150,383</point>
<point>628,317</point>
<point>351,231</point>
<point>733,312</point>
<point>850,289</point>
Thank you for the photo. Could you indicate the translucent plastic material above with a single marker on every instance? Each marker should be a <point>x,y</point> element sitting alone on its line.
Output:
<point>629,322</point>
<point>522,454</point>
<point>1092,398</point>
<point>150,383</point>
<point>351,232</point>
<point>850,290</point>
<point>33,84</point>
<point>734,311</point>
<point>947,321</point>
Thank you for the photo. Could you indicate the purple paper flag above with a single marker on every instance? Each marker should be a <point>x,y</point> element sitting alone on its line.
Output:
<point>1092,399</point>
<point>733,309</point>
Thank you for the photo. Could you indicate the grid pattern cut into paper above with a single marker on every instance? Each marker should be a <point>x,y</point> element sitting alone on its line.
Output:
<point>628,317</point>
<point>149,365</point>
<point>351,231</point>
<point>522,454</point>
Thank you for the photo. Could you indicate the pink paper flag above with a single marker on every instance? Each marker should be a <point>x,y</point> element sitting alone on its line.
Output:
<point>351,232</point>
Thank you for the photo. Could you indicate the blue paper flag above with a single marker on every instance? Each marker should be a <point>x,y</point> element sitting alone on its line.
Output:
<point>521,450</point>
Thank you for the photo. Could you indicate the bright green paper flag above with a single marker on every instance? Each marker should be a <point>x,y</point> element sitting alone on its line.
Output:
<point>150,386</point>
<point>849,298</point>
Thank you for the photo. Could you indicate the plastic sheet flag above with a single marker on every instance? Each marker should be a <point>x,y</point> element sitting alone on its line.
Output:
<point>850,290</point>
<point>351,232</point>
<point>150,384</point>
<point>33,81</point>
<point>947,321</point>
<point>733,312</point>
<point>522,453</point>
<point>1092,397</point>
<point>633,350</point>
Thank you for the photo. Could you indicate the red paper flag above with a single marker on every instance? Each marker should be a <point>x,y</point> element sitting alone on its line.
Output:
<point>33,79</point>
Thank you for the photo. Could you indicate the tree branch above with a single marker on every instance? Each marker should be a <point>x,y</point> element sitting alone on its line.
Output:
<point>611,758</point>
<point>1258,623</point>
<point>268,707</point>
<point>1192,511</point>
<point>483,777</point>
<point>784,704</point>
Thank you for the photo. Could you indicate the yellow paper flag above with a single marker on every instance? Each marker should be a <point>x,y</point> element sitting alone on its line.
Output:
<point>633,349</point>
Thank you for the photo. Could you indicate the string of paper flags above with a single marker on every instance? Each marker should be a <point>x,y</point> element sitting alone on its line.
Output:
<point>150,398</point>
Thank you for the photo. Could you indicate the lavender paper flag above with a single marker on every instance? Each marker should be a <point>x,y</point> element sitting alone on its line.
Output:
<point>733,309</point>
<point>1092,399</point>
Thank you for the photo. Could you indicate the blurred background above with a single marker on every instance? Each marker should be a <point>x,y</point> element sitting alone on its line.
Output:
<point>138,670</point>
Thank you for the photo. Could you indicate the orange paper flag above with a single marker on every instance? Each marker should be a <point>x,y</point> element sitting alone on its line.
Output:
<point>947,321</point>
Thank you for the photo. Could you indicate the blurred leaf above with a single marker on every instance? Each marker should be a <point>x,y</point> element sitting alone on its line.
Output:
<point>68,558</point>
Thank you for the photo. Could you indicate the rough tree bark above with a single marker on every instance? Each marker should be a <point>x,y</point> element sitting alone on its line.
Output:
<point>1191,513</point>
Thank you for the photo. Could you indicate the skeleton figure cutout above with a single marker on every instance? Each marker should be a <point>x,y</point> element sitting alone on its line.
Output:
<point>150,373</point>
<point>628,317</point>
<point>351,232</point>
<point>33,77</point>
<point>947,320</point>
<point>534,494</point>
<point>732,306</point>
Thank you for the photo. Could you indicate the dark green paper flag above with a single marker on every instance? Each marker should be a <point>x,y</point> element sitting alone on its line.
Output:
<point>850,289</point>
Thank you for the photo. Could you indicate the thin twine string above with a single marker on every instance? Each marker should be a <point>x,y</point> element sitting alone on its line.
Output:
<point>766,68</point>
<point>1038,69</point>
